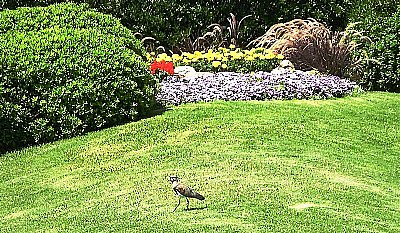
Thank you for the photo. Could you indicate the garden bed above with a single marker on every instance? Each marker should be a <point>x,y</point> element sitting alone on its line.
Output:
<point>258,86</point>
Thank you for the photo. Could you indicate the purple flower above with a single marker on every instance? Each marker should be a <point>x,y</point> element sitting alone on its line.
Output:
<point>259,86</point>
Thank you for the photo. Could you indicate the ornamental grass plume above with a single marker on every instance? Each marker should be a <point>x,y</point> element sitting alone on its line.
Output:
<point>217,36</point>
<point>310,45</point>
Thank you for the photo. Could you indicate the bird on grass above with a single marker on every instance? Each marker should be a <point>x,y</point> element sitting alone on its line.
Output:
<point>183,191</point>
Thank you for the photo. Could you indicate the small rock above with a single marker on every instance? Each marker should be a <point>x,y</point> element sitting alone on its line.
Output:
<point>286,64</point>
<point>185,71</point>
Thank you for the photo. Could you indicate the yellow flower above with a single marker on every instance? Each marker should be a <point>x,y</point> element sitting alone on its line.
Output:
<point>232,46</point>
<point>162,55</point>
<point>186,61</point>
<point>198,54</point>
<point>218,56</point>
<point>249,58</point>
<point>267,51</point>
<point>149,57</point>
<point>269,56</point>
<point>209,56</point>
<point>260,49</point>
<point>235,55</point>
<point>216,64</point>
<point>247,52</point>
<point>176,57</point>
<point>223,50</point>
<point>280,56</point>
<point>257,55</point>
<point>224,66</point>
<point>188,55</point>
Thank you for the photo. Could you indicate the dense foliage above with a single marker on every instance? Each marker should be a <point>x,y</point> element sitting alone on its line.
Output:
<point>171,22</point>
<point>381,24</point>
<point>66,16</point>
<point>63,81</point>
<point>257,86</point>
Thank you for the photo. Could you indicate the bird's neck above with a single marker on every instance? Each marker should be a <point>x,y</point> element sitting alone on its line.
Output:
<point>175,183</point>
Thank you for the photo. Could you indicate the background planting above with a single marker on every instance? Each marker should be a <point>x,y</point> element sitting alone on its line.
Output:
<point>63,80</point>
<point>176,24</point>
<point>172,22</point>
<point>381,24</point>
<point>87,53</point>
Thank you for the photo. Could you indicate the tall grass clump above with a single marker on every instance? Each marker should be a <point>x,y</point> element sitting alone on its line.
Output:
<point>310,45</point>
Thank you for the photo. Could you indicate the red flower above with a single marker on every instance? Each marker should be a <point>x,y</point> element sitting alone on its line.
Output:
<point>154,67</point>
<point>162,66</point>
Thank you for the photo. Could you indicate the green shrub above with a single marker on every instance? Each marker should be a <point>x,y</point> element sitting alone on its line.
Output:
<point>66,15</point>
<point>381,24</point>
<point>60,82</point>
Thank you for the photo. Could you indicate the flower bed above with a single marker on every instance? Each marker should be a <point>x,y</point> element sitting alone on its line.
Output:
<point>258,86</point>
<point>230,59</point>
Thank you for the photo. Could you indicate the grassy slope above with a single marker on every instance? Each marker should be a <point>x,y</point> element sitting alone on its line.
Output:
<point>279,166</point>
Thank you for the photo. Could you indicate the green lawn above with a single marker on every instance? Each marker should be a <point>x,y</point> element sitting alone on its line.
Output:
<point>273,166</point>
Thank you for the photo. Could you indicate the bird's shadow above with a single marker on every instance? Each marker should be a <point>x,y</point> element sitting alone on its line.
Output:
<point>196,208</point>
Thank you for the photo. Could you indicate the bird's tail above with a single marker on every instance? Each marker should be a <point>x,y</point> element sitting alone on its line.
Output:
<point>191,193</point>
<point>198,196</point>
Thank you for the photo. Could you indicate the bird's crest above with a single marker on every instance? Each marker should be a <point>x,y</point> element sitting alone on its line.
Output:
<point>173,178</point>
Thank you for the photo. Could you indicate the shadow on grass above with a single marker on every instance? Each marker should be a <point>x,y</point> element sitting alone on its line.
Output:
<point>157,109</point>
<point>197,208</point>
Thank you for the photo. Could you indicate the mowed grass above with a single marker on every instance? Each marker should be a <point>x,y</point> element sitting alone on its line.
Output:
<point>273,166</point>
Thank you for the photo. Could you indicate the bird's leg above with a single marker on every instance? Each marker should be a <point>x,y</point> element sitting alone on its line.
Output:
<point>187,205</point>
<point>179,202</point>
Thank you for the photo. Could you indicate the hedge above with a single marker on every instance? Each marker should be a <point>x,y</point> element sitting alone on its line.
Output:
<point>63,81</point>
<point>66,15</point>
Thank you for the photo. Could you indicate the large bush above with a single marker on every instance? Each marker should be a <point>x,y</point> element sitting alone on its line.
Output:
<point>381,23</point>
<point>66,16</point>
<point>172,21</point>
<point>63,81</point>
